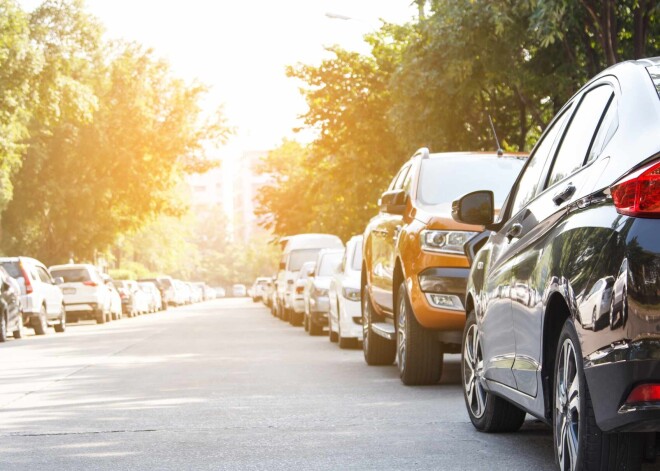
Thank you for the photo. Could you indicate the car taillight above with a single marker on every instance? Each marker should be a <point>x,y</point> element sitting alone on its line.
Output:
<point>90,283</point>
<point>639,194</point>
<point>300,289</point>
<point>26,278</point>
<point>644,393</point>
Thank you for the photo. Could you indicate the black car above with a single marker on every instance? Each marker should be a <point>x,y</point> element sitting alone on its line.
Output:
<point>11,319</point>
<point>539,338</point>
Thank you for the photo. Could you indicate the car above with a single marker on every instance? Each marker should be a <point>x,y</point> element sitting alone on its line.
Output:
<point>42,301</point>
<point>86,296</point>
<point>154,301</point>
<point>115,298</point>
<point>296,250</point>
<point>414,270</point>
<point>166,287</point>
<point>133,300</point>
<point>345,316</point>
<point>220,292</point>
<point>181,293</point>
<point>298,300</point>
<point>269,288</point>
<point>258,288</point>
<point>317,302</point>
<point>238,291</point>
<point>11,318</point>
<point>585,208</point>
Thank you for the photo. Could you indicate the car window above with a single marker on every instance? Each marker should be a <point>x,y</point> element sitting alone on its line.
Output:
<point>357,257</point>
<point>298,257</point>
<point>395,179</point>
<point>328,264</point>
<point>72,275</point>
<point>528,185</point>
<point>580,133</point>
<point>606,130</point>
<point>401,177</point>
<point>13,269</point>
<point>43,275</point>
<point>407,181</point>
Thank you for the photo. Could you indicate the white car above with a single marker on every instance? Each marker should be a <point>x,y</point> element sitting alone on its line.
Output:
<point>115,299</point>
<point>298,301</point>
<point>345,317</point>
<point>317,302</point>
<point>154,299</point>
<point>238,291</point>
<point>596,304</point>
<point>86,296</point>
<point>41,299</point>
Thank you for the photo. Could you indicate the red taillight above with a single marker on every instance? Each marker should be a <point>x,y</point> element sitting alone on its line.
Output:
<point>90,283</point>
<point>639,194</point>
<point>644,393</point>
<point>26,278</point>
<point>300,289</point>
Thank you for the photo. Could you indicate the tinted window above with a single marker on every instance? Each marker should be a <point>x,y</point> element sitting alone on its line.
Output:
<point>528,185</point>
<point>298,257</point>
<point>356,264</point>
<point>13,269</point>
<point>606,130</point>
<point>401,178</point>
<point>329,264</point>
<point>43,275</point>
<point>580,133</point>
<point>72,275</point>
<point>444,179</point>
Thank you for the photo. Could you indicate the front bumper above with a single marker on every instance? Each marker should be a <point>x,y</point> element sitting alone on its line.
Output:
<point>350,319</point>
<point>612,373</point>
<point>446,285</point>
<point>299,304</point>
<point>320,304</point>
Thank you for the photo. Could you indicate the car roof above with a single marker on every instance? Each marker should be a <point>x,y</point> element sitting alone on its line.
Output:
<point>311,241</point>
<point>72,265</point>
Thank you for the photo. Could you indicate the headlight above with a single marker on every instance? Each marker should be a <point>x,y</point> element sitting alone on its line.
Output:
<point>445,241</point>
<point>351,294</point>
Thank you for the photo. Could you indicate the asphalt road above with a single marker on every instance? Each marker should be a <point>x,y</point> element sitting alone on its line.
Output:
<point>224,385</point>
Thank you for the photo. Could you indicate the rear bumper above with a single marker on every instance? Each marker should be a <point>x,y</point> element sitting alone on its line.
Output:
<point>81,307</point>
<point>611,374</point>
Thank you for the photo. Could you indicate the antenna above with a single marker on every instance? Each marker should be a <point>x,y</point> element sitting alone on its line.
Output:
<point>500,152</point>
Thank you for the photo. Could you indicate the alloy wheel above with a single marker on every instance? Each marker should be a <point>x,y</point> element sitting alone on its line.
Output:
<point>366,319</point>
<point>3,328</point>
<point>473,372</point>
<point>567,403</point>
<point>401,334</point>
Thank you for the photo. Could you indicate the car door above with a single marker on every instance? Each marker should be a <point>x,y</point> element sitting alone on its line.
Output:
<point>384,231</point>
<point>564,180</point>
<point>52,293</point>
<point>497,320</point>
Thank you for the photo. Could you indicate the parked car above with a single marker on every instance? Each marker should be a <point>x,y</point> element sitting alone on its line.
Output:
<point>166,287</point>
<point>259,288</point>
<point>154,301</point>
<point>585,208</point>
<point>86,296</point>
<point>133,300</point>
<point>42,300</point>
<point>238,291</point>
<point>220,292</point>
<point>181,293</point>
<point>298,300</point>
<point>345,316</point>
<point>11,319</point>
<point>296,250</point>
<point>269,288</point>
<point>414,270</point>
<point>317,302</point>
<point>115,298</point>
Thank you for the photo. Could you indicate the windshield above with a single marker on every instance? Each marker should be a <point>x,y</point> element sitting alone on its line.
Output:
<point>298,257</point>
<point>356,263</point>
<point>13,269</point>
<point>445,179</point>
<point>72,275</point>
<point>329,263</point>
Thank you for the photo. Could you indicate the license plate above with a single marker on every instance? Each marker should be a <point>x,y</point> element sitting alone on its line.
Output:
<point>69,290</point>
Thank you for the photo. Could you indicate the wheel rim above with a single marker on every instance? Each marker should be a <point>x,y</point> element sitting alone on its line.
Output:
<point>366,318</point>
<point>567,403</point>
<point>473,366</point>
<point>3,327</point>
<point>401,335</point>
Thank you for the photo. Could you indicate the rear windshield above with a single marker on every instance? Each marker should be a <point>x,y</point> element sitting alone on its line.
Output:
<point>445,179</point>
<point>356,264</point>
<point>13,269</point>
<point>298,257</point>
<point>72,275</point>
<point>329,263</point>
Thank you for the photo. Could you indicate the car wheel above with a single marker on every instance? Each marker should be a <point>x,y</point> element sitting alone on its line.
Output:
<point>488,413</point>
<point>306,322</point>
<point>332,335</point>
<point>61,326</point>
<point>593,318</point>
<point>100,317</point>
<point>314,328</point>
<point>377,350</point>
<point>579,442</point>
<point>40,324</point>
<point>18,333</point>
<point>3,327</point>
<point>419,354</point>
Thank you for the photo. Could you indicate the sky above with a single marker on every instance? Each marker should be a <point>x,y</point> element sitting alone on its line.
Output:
<point>241,49</point>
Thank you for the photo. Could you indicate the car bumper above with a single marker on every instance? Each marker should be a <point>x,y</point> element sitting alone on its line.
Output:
<point>443,284</point>
<point>319,304</point>
<point>611,375</point>
<point>350,319</point>
<point>299,305</point>
<point>81,307</point>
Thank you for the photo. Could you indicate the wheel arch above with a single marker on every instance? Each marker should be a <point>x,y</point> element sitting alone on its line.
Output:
<point>556,313</point>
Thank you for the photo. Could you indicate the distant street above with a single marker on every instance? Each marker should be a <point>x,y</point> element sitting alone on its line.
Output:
<point>224,385</point>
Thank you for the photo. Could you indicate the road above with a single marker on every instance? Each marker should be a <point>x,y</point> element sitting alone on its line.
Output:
<point>224,385</point>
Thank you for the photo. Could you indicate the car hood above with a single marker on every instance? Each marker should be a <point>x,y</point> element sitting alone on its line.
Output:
<point>350,280</point>
<point>444,222</point>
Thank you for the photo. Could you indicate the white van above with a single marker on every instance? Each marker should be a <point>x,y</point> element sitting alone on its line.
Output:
<point>297,250</point>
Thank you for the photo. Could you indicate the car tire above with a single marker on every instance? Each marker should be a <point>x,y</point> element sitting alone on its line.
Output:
<point>40,324</point>
<point>419,353</point>
<point>377,350</point>
<point>3,327</point>
<point>295,319</point>
<point>306,322</point>
<point>100,317</point>
<point>488,413</point>
<point>61,325</point>
<point>578,441</point>
<point>332,335</point>
<point>18,333</point>
<point>314,328</point>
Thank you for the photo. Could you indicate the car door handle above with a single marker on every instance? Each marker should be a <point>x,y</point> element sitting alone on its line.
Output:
<point>515,231</point>
<point>564,195</point>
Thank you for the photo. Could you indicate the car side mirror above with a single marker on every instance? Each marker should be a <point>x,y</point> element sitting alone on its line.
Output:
<point>58,280</point>
<point>476,208</point>
<point>394,202</point>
